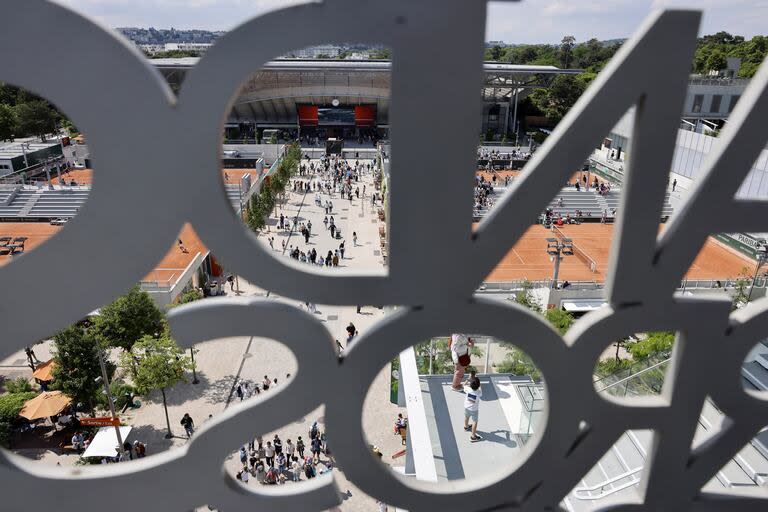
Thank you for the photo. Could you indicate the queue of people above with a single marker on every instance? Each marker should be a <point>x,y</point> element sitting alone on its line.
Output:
<point>275,462</point>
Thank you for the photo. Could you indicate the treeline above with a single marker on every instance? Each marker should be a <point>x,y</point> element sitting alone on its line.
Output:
<point>22,114</point>
<point>262,203</point>
<point>713,50</point>
<point>592,56</point>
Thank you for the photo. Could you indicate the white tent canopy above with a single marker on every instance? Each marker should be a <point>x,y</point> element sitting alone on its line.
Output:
<point>105,442</point>
<point>582,305</point>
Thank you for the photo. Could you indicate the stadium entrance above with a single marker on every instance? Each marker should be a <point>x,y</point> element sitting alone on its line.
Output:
<point>336,121</point>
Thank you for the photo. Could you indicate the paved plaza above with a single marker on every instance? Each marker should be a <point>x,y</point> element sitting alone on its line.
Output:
<point>223,362</point>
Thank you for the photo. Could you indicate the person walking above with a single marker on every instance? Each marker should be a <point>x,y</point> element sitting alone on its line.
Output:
<point>460,345</point>
<point>269,454</point>
<point>341,249</point>
<point>316,448</point>
<point>354,238</point>
<point>243,456</point>
<point>674,184</point>
<point>300,447</point>
<point>188,424</point>
<point>472,407</point>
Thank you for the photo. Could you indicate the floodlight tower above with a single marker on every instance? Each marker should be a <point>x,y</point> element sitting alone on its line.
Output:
<point>557,248</point>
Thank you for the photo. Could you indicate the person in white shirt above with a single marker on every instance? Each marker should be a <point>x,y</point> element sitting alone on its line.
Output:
<point>460,345</point>
<point>472,407</point>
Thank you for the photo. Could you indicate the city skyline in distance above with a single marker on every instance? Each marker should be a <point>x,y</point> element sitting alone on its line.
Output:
<point>525,22</point>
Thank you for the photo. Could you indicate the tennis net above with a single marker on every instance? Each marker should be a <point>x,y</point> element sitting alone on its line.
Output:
<point>578,251</point>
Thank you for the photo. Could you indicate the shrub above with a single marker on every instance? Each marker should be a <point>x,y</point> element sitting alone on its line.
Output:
<point>20,385</point>
<point>121,391</point>
<point>11,405</point>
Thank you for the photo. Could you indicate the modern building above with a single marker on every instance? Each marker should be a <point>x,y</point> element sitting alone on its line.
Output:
<point>17,156</point>
<point>344,97</point>
<point>317,52</point>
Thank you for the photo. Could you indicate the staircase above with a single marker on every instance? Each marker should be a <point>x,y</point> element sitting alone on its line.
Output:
<point>30,203</point>
<point>620,469</point>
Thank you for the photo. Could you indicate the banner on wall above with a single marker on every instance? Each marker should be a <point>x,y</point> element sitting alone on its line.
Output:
<point>307,115</point>
<point>365,115</point>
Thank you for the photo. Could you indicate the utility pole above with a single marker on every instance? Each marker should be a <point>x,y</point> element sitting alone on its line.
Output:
<point>111,402</point>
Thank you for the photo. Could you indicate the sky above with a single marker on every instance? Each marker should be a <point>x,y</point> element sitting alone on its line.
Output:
<point>527,21</point>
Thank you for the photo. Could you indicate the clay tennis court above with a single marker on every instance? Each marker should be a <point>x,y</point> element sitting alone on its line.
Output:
<point>85,176</point>
<point>170,268</point>
<point>529,260</point>
<point>79,176</point>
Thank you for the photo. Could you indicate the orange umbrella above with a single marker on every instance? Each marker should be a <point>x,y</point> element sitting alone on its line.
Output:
<point>44,371</point>
<point>44,405</point>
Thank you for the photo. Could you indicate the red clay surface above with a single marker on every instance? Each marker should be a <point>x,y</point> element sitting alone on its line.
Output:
<point>167,271</point>
<point>528,258</point>
<point>85,176</point>
<point>79,176</point>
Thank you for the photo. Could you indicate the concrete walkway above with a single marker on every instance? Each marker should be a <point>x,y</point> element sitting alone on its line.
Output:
<point>223,362</point>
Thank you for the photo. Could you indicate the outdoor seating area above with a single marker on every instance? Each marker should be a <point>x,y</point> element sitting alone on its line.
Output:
<point>12,245</point>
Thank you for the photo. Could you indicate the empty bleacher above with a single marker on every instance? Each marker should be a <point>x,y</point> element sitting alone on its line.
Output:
<point>613,200</point>
<point>58,204</point>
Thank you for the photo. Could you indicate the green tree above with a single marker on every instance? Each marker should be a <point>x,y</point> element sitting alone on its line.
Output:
<point>495,53</point>
<point>741,290</point>
<point>566,50</point>
<point>8,122</point>
<point>716,61</point>
<point>518,362</point>
<point>556,101</point>
<point>128,319</point>
<point>526,298</point>
<point>158,364</point>
<point>442,362</point>
<point>36,118</point>
<point>560,319</point>
<point>653,343</point>
<point>77,370</point>
<point>381,54</point>
<point>10,406</point>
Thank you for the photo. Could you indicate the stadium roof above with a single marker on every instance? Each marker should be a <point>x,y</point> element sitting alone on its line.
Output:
<point>272,94</point>
<point>362,66</point>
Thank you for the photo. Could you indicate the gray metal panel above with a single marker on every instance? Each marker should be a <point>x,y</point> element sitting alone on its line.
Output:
<point>433,272</point>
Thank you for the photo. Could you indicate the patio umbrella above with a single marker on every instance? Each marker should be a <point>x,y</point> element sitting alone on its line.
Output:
<point>44,405</point>
<point>44,371</point>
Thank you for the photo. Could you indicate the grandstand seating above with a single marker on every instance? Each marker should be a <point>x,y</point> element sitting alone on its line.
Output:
<point>590,203</point>
<point>613,199</point>
<point>32,203</point>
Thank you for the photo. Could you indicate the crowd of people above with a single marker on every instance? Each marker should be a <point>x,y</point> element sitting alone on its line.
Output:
<point>495,154</point>
<point>483,193</point>
<point>332,175</point>
<point>275,462</point>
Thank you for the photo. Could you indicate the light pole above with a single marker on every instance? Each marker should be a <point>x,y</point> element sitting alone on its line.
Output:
<point>105,381</point>
<point>194,371</point>
<point>24,148</point>
<point>760,256</point>
<point>557,248</point>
